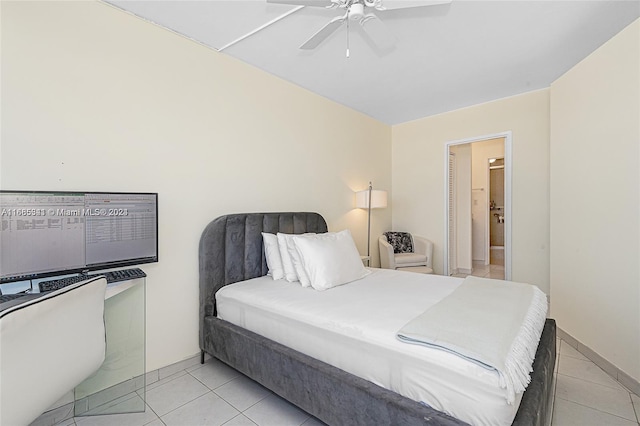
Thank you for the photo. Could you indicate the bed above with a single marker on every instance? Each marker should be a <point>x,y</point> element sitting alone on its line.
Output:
<point>231,251</point>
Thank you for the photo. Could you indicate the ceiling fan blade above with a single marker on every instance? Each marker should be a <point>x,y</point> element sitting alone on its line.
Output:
<point>323,33</point>
<point>405,4</point>
<point>378,32</point>
<point>313,3</point>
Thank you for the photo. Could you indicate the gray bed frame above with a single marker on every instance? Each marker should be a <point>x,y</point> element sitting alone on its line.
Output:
<point>231,250</point>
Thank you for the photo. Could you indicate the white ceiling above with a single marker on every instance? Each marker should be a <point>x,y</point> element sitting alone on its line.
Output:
<point>446,57</point>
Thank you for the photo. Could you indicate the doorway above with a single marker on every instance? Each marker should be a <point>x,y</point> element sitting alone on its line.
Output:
<point>478,206</point>
<point>496,211</point>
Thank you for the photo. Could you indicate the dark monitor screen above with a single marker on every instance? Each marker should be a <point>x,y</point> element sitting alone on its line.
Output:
<point>46,233</point>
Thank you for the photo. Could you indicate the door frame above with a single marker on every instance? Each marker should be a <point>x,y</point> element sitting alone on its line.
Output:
<point>508,142</point>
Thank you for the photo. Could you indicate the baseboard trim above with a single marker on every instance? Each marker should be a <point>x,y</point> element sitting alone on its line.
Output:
<point>625,380</point>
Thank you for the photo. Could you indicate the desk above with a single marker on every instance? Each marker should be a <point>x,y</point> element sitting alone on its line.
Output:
<point>123,370</point>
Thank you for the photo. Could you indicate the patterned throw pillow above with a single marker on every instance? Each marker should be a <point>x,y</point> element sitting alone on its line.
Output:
<point>400,241</point>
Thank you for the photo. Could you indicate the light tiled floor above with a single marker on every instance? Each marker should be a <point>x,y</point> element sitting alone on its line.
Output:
<point>209,394</point>
<point>485,271</point>
<point>214,394</point>
<point>586,395</point>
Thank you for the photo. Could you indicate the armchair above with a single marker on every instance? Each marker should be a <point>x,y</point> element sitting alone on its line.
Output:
<point>403,251</point>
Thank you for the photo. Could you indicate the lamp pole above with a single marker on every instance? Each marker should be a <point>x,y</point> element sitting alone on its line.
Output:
<point>369,224</point>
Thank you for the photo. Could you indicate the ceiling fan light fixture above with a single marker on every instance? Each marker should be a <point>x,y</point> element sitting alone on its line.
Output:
<point>356,11</point>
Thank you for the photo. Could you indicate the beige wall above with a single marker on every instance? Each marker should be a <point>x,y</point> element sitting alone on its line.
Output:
<point>96,99</point>
<point>595,201</point>
<point>418,165</point>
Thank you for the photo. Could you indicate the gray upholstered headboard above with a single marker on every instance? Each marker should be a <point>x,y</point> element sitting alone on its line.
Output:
<point>231,248</point>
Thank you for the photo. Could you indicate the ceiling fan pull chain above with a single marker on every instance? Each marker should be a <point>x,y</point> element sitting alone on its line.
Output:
<point>348,37</point>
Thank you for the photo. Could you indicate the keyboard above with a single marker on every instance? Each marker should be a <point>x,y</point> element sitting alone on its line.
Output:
<point>8,297</point>
<point>123,275</point>
<point>111,276</point>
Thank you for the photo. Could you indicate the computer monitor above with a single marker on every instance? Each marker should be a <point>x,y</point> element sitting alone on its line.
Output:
<point>48,233</point>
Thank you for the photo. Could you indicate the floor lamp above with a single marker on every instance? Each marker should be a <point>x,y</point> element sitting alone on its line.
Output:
<point>370,199</point>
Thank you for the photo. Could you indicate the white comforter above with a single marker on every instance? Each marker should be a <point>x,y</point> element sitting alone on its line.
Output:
<point>354,326</point>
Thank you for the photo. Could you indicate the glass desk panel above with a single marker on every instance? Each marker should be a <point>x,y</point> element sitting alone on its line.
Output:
<point>119,385</point>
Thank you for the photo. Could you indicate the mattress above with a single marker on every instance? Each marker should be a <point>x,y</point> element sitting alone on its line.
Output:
<point>353,327</point>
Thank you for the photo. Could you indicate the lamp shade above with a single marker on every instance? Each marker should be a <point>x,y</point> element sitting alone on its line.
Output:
<point>378,199</point>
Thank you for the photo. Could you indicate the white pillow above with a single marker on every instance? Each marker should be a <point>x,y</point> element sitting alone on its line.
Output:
<point>291,260</point>
<point>296,260</point>
<point>272,253</point>
<point>330,259</point>
<point>289,272</point>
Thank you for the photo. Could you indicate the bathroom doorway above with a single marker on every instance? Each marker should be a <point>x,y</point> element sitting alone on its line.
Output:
<point>496,211</point>
<point>477,242</point>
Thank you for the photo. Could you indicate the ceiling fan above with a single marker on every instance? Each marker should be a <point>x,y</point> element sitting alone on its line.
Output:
<point>361,11</point>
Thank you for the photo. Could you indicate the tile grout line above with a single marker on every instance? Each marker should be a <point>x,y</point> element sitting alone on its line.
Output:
<point>252,405</point>
<point>229,381</point>
<point>270,394</point>
<point>231,419</point>
<point>203,384</point>
<point>586,359</point>
<point>188,402</point>
<point>592,382</point>
<point>240,412</point>
<point>635,410</point>
<point>583,359</point>
<point>154,412</point>
<point>595,409</point>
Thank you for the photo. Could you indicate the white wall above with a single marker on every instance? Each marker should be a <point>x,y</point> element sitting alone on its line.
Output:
<point>595,201</point>
<point>418,176</point>
<point>96,99</point>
